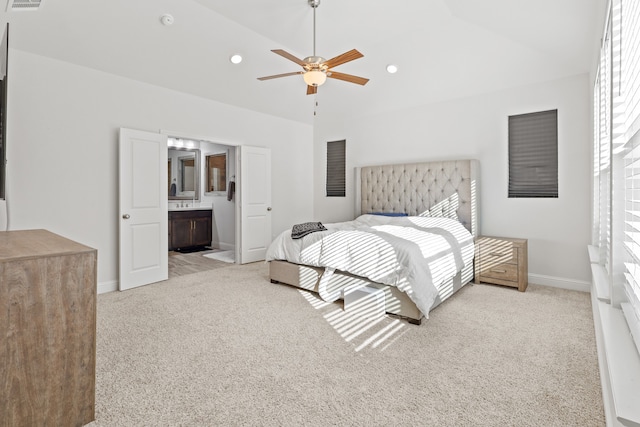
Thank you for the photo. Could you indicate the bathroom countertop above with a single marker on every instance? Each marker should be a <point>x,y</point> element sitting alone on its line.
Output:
<point>191,208</point>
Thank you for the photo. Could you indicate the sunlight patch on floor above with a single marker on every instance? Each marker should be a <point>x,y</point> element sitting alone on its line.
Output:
<point>359,326</point>
<point>313,299</point>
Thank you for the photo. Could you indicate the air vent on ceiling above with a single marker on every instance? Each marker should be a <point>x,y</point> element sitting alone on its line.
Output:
<point>24,4</point>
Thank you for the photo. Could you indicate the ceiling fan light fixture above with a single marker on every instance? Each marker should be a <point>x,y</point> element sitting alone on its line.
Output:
<point>316,69</point>
<point>314,78</point>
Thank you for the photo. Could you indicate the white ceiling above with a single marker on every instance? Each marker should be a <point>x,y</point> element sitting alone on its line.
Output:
<point>445,49</point>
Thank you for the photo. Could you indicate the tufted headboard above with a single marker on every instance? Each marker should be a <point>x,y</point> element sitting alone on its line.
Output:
<point>414,188</point>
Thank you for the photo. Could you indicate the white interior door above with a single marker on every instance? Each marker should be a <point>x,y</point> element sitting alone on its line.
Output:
<point>255,203</point>
<point>144,243</point>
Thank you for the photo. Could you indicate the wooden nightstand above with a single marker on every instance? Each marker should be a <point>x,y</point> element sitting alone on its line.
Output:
<point>502,261</point>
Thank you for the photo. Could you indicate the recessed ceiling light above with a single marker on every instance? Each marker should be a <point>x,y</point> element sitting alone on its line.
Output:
<point>235,59</point>
<point>391,69</point>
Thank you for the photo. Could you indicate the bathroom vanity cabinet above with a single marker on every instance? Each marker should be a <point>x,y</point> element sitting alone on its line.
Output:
<point>189,228</point>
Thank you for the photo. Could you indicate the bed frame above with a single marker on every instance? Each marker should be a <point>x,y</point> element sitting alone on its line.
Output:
<point>413,189</point>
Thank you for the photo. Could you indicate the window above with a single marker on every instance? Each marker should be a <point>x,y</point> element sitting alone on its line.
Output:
<point>626,140</point>
<point>336,168</point>
<point>216,173</point>
<point>533,154</point>
<point>616,161</point>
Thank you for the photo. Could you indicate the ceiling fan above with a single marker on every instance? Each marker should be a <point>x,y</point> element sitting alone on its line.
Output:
<point>316,69</point>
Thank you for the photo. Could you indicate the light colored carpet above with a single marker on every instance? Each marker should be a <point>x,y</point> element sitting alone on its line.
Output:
<point>224,256</point>
<point>226,347</point>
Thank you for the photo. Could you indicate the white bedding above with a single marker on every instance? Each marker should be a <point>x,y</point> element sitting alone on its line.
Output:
<point>415,254</point>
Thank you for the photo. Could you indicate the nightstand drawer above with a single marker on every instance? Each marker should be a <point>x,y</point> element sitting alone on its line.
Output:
<point>493,251</point>
<point>500,271</point>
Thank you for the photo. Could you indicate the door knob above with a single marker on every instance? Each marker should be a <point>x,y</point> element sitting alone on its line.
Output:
<point>269,208</point>
<point>126,216</point>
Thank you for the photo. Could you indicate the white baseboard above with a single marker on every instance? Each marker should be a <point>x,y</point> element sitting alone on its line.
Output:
<point>560,282</point>
<point>105,287</point>
<point>538,279</point>
<point>225,246</point>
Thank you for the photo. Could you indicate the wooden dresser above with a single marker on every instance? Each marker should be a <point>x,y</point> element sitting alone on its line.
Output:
<point>502,261</point>
<point>47,326</point>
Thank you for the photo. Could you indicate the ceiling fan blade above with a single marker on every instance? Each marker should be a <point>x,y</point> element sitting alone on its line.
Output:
<point>289,56</point>
<point>345,57</point>
<point>347,78</point>
<point>280,75</point>
<point>312,90</point>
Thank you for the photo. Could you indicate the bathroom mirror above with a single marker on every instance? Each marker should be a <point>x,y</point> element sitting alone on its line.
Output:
<point>183,173</point>
<point>216,174</point>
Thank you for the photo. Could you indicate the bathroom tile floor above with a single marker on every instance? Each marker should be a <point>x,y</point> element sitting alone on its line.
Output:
<point>181,264</point>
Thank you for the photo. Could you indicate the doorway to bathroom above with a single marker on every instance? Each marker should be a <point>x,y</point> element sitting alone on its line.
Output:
<point>202,204</point>
<point>144,189</point>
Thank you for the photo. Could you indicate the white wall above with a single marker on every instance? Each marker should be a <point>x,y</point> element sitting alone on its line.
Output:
<point>558,229</point>
<point>62,148</point>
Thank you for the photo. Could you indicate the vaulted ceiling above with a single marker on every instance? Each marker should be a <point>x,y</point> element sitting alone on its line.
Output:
<point>444,49</point>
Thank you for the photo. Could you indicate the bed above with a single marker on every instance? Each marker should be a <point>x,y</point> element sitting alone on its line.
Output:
<point>430,203</point>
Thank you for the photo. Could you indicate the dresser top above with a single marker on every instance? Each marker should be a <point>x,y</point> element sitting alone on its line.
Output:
<point>36,243</point>
<point>501,239</point>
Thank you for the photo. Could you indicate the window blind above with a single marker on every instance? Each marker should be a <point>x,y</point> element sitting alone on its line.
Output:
<point>597,200</point>
<point>533,154</point>
<point>625,118</point>
<point>629,60</point>
<point>616,161</point>
<point>605,148</point>
<point>336,168</point>
<point>632,227</point>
